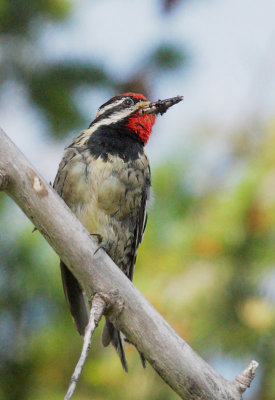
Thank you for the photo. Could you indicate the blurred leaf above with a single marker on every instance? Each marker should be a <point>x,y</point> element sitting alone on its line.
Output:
<point>53,91</point>
<point>167,57</point>
<point>16,15</point>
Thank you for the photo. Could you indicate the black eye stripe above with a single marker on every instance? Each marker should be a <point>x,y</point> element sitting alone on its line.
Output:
<point>107,113</point>
<point>114,109</point>
<point>114,99</point>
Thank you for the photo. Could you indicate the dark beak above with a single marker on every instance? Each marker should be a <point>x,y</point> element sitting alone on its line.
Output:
<point>160,106</point>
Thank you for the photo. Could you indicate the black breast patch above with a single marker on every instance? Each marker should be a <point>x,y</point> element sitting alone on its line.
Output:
<point>116,142</point>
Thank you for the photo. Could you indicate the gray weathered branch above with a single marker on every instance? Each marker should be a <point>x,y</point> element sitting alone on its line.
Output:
<point>173,359</point>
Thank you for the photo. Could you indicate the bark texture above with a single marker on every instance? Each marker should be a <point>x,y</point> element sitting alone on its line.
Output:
<point>173,359</point>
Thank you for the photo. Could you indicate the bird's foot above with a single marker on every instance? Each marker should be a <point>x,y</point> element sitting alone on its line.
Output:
<point>102,246</point>
<point>98,236</point>
<point>100,241</point>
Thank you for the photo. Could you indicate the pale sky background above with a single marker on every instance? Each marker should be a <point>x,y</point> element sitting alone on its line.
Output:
<point>228,84</point>
<point>230,77</point>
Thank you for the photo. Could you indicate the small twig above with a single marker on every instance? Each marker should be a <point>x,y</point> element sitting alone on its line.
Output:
<point>97,309</point>
<point>244,379</point>
<point>4,180</point>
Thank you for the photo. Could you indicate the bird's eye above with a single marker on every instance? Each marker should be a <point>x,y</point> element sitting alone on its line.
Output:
<point>128,102</point>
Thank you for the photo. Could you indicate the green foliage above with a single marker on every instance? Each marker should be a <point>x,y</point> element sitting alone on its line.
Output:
<point>167,57</point>
<point>52,89</point>
<point>16,16</point>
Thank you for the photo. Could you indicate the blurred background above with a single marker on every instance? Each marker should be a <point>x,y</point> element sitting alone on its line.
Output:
<point>207,261</point>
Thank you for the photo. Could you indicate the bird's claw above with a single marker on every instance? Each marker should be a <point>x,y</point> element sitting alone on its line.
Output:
<point>100,241</point>
<point>101,246</point>
<point>98,236</point>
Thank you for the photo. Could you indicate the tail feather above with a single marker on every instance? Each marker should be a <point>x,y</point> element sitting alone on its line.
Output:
<point>75,299</point>
<point>111,335</point>
<point>142,359</point>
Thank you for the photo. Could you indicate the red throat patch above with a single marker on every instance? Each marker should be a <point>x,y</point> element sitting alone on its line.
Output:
<point>142,125</point>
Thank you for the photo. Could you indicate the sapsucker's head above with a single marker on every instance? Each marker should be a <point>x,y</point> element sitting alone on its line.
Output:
<point>133,113</point>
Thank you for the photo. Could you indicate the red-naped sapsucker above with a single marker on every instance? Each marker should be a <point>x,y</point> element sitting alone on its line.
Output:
<point>104,177</point>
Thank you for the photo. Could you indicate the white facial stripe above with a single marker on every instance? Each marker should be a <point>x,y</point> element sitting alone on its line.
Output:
<point>119,115</point>
<point>113,104</point>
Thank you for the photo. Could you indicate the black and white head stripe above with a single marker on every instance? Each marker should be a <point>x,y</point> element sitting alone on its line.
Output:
<point>116,109</point>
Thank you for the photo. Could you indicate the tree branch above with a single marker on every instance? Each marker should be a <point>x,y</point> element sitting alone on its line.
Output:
<point>173,359</point>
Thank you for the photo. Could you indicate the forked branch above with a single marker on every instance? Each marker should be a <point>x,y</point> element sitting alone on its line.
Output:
<point>97,309</point>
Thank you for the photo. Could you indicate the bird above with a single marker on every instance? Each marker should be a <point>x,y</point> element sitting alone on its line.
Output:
<point>104,178</point>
